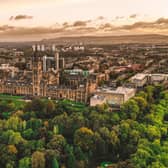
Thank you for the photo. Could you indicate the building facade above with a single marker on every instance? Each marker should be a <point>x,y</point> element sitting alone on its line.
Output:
<point>112,97</point>
<point>54,83</point>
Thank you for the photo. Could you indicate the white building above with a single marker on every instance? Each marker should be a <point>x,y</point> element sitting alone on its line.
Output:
<point>139,80</point>
<point>157,78</point>
<point>97,100</point>
<point>114,97</point>
<point>79,48</point>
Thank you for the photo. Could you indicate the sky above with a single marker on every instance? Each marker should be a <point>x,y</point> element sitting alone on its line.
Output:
<point>38,19</point>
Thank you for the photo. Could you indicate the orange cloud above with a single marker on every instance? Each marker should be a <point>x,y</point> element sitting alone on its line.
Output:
<point>20,17</point>
<point>133,16</point>
<point>85,28</point>
<point>80,23</point>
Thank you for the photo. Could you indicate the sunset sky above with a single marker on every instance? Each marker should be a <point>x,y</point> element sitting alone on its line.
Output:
<point>37,19</point>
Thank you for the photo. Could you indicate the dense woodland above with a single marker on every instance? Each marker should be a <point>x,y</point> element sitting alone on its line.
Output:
<point>63,134</point>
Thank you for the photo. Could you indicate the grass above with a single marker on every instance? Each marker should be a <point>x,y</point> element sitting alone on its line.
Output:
<point>17,100</point>
<point>19,103</point>
<point>74,106</point>
<point>10,97</point>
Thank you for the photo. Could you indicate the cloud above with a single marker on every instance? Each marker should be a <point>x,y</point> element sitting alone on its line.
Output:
<point>119,17</point>
<point>161,23</point>
<point>85,28</point>
<point>101,18</point>
<point>15,31</point>
<point>133,16</point>
<point>106,26</point>
<point>65,24</point>
<point>5,28</point>
<point>80,23</point>
<point>20,17</point>
<point>76,24</point>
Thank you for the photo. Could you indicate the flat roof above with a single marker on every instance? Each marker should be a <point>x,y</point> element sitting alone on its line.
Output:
<point>139,76</point>
<point>119,90</point>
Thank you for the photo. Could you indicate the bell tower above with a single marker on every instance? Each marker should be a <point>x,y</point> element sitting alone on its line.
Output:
<point>37,70</point>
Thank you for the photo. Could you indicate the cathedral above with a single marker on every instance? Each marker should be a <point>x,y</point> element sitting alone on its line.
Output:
<point>48,79</point>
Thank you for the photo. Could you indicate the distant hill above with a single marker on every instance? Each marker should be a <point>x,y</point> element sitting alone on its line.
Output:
<point>107,40</point>
<point>95,40</point>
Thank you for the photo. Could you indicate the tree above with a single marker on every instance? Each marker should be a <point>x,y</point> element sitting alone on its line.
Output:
<point>77,120</point>
<point>28,134</point>
<point>15,123</point>
<point>134,137</point>
<point>114,140</point>
<point>25,162</point>
<point>50,107</point>
<point>38,160</point>
<point>142,103</point>
<point>141,158</point>
<point>79,153</point>
<point>11,137</point>
<point>61,121</point>
<point>37,106</point>
<point>71,157</point>
<point>50,155</point>
<point>9,165</point>
<point>156,164</point>
<point>153,133</point>
<point>55,163</point>
<point>150,92</point>
<point>57,143</point>
<point>15,138</point>
<point>157,92</point>
<point>34,124</point>
<point>71,160</point>
<point>8,156</point>
<point>12,149</point>
<point>7,106</point>
<point>114,118</point>
<point>131,109</point>
<point>142,94</point>
<point>101,145</point>
<point>84,137</point>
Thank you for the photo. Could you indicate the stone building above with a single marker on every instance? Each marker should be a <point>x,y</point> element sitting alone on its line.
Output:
<point>54,83</point>
<point>142,79</point>
<point>113,97</point>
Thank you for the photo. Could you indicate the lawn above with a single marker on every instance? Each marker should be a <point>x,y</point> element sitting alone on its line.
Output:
<point>74,106</point>
<point>10,97</point>
<point>17,100</point>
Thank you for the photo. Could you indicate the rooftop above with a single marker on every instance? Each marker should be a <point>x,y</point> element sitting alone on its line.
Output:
<point>139,76</point>
<point>119,90</point>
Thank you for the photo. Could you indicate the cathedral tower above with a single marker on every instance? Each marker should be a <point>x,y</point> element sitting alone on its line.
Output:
<point>37,71</point>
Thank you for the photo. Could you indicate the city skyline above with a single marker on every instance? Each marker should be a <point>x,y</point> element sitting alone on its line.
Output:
<point>35,20</point>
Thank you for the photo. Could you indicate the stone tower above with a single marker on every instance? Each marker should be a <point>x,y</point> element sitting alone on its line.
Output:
<point>57,61</point>
<point>37,71</point>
